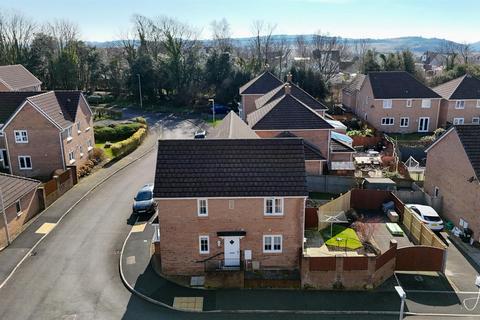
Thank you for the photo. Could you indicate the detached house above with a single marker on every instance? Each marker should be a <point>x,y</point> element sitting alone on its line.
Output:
<point>394,101</point>
<point>461,104</point>
<point>228,204</point>
<point>17,78</point>
<point>43,132</point>
<point>452,174</point>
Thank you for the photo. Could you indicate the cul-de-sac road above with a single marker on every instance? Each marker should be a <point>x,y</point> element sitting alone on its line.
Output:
<point>73,273</point>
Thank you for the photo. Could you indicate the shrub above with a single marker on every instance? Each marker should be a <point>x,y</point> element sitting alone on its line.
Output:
<point>140,120</point>
<point>126,146</point>
<point>97,155</point>
<point>116,132</point>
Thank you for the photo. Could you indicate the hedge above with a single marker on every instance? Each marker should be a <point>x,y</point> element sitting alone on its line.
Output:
<point>117,132</point>
<point>126,146</point>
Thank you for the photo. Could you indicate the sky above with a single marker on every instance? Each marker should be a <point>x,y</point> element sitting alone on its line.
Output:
<point>104,20</point>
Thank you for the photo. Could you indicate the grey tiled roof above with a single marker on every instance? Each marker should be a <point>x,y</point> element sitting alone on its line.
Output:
<point>261,84</point>
<point>295,91</point>
<point>312,152</point>
<point>356,83</point>
<point>286,113</point>
<point>14,187</point>
<point>10,101</point>
<point>469,136</point>
<point>60,106</point>
<point>232,127</point>
<point>339,146</point>
<point>230,168</point>
<point>464,87</point>
<point>398,85</point>
<point>17,77</point>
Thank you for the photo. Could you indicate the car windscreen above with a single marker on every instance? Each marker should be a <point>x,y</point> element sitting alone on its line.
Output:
<point>431,218</point>
<point>144,195</point>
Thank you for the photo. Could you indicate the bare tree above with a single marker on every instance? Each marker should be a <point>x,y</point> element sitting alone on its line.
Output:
<point>326,54</point>
<point>465,51</point>
<point>16,34</point>
<point>221,35</point>
<point>262,43</point>
<point>63,31</point>
<point>450,50</point>
<point>281,50</point>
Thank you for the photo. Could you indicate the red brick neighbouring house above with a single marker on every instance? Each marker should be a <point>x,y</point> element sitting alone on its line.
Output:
<point>452,174</point>
<point>43,132</point>
<point>21,201</point>
<point>225,204</point>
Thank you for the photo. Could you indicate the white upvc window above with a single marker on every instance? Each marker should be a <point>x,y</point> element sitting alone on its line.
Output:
<point>409,103</point>
<point>80,148</point>
<point>69,134</point>
<point>388,121</point>
<point>202,207</point>
<point>21,136</point>
<point>478,103</point>
<point>71,156</point>
<point>204,244</point>
<point>457,121</point>
<point>273,206</point>
<point>78,128</point>
<point>426,103</point>
<point>404,122</point>
<point>387,103</point>
<point>89,145</point>
<point>436,192</point>
<point>460,104</point>
<point>25,162</point>
<point>272,243</point>
<point>476,120</point>
<point>18,208</point>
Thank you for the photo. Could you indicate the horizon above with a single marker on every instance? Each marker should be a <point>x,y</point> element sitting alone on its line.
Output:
<point>342,18</point>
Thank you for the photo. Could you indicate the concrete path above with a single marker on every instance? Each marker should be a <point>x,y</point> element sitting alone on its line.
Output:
<point>430,295</point>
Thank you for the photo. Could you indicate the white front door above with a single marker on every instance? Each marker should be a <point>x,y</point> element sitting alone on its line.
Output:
<point>232,251</point>
<point>423,124</point>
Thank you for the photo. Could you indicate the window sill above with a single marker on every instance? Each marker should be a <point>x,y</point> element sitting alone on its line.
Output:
<point>71,161</point>
<point>272,252</point>
<point>69,139</point>
<point>79,131</point>
<point>87,129</point>
<point>25,168</point>
<point>21,142</point>
<point>90,148</point>
<point>202,217</point>
<point>273,216</point>
<point>19,214</point>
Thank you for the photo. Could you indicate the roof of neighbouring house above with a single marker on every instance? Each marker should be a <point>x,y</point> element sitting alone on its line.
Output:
<point>312,152</point>
<point>356,83</point>
<point>398,85</point>
<point>286,113</point>
<point>340,146</point>
<point>464,87</point>
<point>230,168</point>
<point>261,84</point>
<point>14,187</point>
<point>232,127</point>
<point>469,137</point>
<point>295,91</point>
<point>17,77</point>
<point>58,106</point>
<point>10,101</point>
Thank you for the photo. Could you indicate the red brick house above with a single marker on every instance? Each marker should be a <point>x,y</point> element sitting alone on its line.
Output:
<point>396,102</point>
<point>452,174</point>
<point>461,101</point>
<point>14,78</point>
<point>43,132</point>
<point>21,201</point>
<point>226,204</point>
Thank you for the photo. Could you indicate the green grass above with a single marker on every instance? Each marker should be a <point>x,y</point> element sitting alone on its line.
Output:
<point>408,137</point>
<point>322,195</point>
<point>108,151</point>
<point>347,237</point>
<point>214,123</point>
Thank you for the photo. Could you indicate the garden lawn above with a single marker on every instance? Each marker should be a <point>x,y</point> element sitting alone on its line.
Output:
<point>108,151</point>
<point>348,236</point>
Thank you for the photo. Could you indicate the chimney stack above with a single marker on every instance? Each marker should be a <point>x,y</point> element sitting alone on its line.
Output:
<point>287,88</point>
<point>289,77</point>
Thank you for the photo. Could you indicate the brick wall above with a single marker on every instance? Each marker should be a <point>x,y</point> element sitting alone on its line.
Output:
<point>180,228</point>
<point>248,103</point>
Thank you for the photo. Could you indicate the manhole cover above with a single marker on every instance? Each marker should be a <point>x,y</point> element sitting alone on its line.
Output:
<point>418,278</point>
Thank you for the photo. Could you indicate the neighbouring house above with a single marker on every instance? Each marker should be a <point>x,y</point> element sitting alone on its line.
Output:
<point>350,92</point>
<point>452,175</point>
<point>15,78</point>
<point>20,201</point>
<point>461,101</point>
<point>396,102</point>
<point>254,89</point>
<point>232,127</point>
<point>228,204</point>
<point>433,63</point>
<point>286,112</point>
<point>43,132</point>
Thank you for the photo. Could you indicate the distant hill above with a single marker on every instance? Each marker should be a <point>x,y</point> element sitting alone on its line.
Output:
<point>417,45</point>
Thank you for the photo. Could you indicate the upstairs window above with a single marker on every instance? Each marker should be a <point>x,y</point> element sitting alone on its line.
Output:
<point>387,104</point>
<point>69,133</point>
<point>78,128</point>
<point>18,208</point>
<point>460,104</point>
<point>21,136</point>
<point>274,206</point>
<point>202,207</point>
<point>71,156</point>
<point>409,103</point>
<point>478,103</point>
<point>426,103</point>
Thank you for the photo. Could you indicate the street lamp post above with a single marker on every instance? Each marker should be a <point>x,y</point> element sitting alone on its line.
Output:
<point>140,90</point>
<point>403,296</point>
<point>213,109</point>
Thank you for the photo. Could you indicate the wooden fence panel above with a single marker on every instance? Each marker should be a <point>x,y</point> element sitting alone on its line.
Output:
<point>355,263</point>
<point>420,258</point>
<point>384,258</point>
<point>311,218</point>
<point>322,264</point>
<point>340,204</point>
